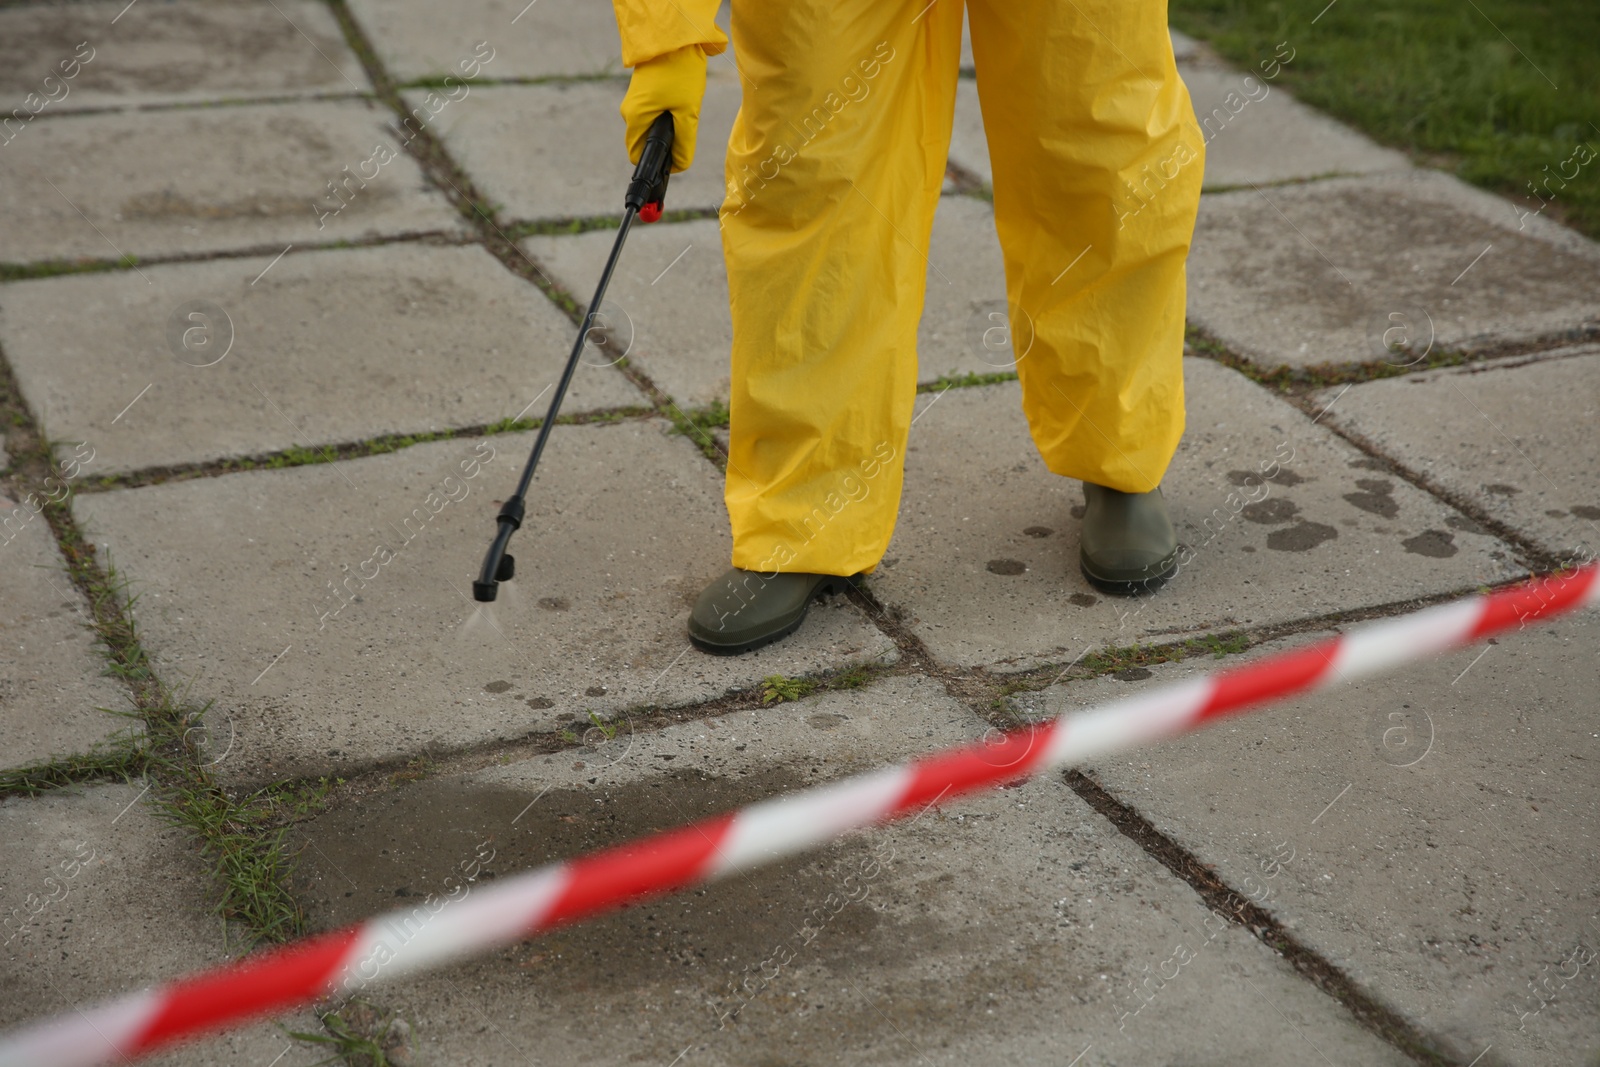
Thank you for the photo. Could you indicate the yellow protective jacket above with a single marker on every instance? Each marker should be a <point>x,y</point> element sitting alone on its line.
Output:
<point>652,28</point>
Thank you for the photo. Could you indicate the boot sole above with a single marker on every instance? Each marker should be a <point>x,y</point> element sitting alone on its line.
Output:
<point>1126,587</point>
<point>828,586</point>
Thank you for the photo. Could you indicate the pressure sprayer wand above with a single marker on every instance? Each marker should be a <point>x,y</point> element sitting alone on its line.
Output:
<point>646,194</point>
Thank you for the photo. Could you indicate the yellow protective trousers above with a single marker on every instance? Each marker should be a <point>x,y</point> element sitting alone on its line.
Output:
<point>834,169</point>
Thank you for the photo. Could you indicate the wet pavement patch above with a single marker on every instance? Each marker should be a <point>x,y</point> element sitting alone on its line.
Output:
<point>1376,497</point>
<point>1250,479</point>
<point>443,837</point>
<point>1435,543</point>
<point>1271,511</point>
<point>1301,537</point>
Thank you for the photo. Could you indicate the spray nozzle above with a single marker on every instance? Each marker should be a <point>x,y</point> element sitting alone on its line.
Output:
<point>499,566</point>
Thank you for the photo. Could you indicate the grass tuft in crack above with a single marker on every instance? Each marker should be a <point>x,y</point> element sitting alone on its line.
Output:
<point>966,381</point>
<point>1112,660</point>
<point>416,769</point>
<point>51,268</point>
<point>377,446</point>
<point>360,1035</point>
<point>122,760</point>
<point>697,423</point>
<point>246,852</point>
<point>1286,379</point>
<point>249,859</point>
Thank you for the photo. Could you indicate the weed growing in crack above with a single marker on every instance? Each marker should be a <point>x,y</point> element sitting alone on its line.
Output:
<point>358,1035</point>
<point>775,688</point>
<point>120,761</point>
<point>416,769</point>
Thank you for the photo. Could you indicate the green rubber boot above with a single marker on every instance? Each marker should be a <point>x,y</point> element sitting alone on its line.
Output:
<point>743,610</point>
<point>1127,545</point>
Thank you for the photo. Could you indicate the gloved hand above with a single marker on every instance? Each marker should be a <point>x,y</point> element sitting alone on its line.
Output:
<point>674,82</point>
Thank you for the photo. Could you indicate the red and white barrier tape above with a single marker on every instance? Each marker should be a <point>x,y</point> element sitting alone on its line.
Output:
<point>518,907</point>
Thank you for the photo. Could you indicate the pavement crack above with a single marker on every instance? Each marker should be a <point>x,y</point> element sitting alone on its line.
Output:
<point>1377,1017</point>
<point>499,239</point>
<point>325,454</point>
<point>52,268</point>
<point>1297,381</point>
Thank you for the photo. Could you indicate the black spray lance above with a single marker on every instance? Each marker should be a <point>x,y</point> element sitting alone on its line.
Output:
<point>646,193</point>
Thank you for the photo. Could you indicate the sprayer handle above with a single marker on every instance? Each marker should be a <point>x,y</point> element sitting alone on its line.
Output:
<point>647,192</point>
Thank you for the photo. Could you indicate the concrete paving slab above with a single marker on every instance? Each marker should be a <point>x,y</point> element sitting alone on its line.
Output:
<point>52,678</point>
<point>191,363</point>
<point>625,527</point>
<point>969,149</point>
<point>567,38</point>
<point>667,305</point>
<point>1331,271</point>
<point>1431,830</point>
<point>669,298</point>
<point>985,557</point>
<point>83,923</point>
<point>173,52</point>
<point>1516,439</point>
<point>554,151</point>
<point>1006,928</point>
<point>964,313</point>
<point>1255,133</point>
<point>102,186</point>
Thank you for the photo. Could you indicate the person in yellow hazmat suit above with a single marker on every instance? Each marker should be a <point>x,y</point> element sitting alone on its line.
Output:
<point>834,169</point>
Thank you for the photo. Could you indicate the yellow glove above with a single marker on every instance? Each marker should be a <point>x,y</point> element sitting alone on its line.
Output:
<point>674,82</point>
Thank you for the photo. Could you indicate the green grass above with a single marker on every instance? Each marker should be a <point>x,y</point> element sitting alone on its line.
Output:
<point>1287,379</point>
<point>1494,90</point>
<point>357,1035</point>
<point>854,678</point>
<point>50,268</point>
<point>296,456</point>
<point>697,424</point>
<point>1112,660</point>
<point>243,840</point>
<point>118,761</point>
<point>697,421</point>
<point>416,769</point>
